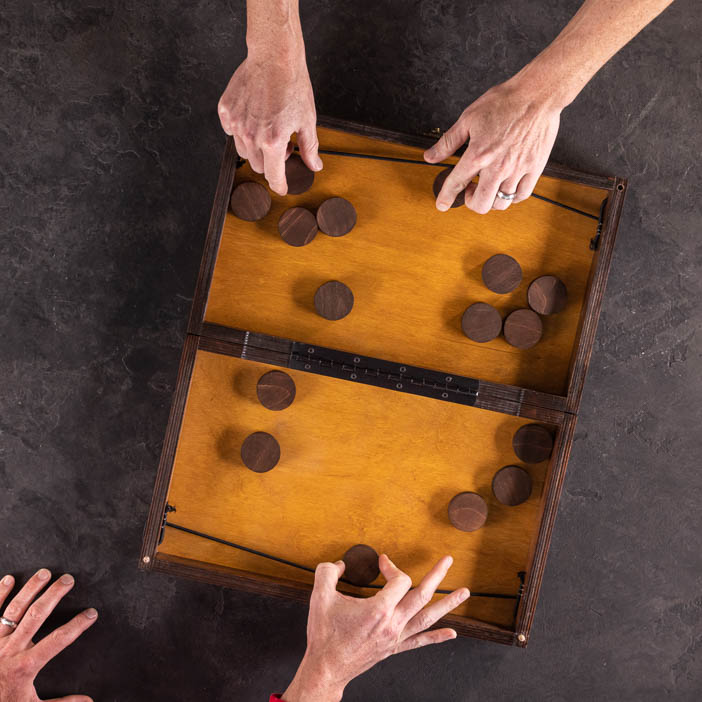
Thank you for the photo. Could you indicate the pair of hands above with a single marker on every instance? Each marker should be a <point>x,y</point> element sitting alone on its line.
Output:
<point>21,659</point>
<point>511,132</point>
<point>346,635</point>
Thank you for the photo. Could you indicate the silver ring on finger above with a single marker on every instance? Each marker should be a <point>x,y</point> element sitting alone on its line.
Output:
<point>506,196</point>
<point>8,622</point>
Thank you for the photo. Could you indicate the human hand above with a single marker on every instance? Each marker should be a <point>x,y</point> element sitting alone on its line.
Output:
<point>265,102</point>
<point>21,659</point>
<point>512,132</point>
<point>346,635</point>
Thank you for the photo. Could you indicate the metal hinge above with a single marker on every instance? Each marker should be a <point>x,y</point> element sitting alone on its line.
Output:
<point>595,241</point>
<point>168,509</point>
<point>383,374</point>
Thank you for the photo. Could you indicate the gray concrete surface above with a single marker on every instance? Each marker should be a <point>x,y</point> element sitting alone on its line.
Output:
<point>109,150</point>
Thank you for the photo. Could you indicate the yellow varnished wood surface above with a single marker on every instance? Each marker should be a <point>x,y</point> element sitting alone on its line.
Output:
<point>413,270</point>
<point>359,465</point>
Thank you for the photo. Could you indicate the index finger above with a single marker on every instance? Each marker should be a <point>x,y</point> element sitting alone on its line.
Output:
<point>326,577</point>
<point>458,179</point>
<point>398,582</point>
<point>274,167</point>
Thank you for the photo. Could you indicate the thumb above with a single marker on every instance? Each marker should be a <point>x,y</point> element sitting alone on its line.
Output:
<point>309,147</point>
<point>448,143</point>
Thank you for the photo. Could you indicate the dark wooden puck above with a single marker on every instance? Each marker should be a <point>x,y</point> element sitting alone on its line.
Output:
<point>299,177</point>
<point>297,226</point>
<point>260,452</point>
<point>336,216</point>
<point>250,201</point>
<point>501,273</point>
<point>532,443</point>
<point>523,328</point>
<point>547,295</point>
<point>467,511</point>
<point>438,183</point>
<point>276,390</point>
<point>361,565</point>
<point>511,485</point>
<point>481,322</point>
<point>333,300</point>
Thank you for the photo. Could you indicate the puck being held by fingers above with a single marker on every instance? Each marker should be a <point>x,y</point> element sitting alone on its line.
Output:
<point>299,177</point>
<point>250,201</point>
<point>502,274</point>
<point>333,300</point>
<point>467,511</point>
<point>297,226</point>
<point>275,390</point>
<point>438,184</point>
<point>336,216</point>
<point>547,295</point>
<point>532,443</point>
<point>361,565</point>
<point>481,322</point>
<point>523,329</point>
<point>260,452</point>
<point>511,485</point>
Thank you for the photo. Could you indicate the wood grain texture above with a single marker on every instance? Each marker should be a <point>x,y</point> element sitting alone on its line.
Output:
<point>432,271</point>
<point>379,439</point>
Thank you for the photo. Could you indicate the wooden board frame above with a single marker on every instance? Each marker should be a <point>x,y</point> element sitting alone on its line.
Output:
<point>553,409</point>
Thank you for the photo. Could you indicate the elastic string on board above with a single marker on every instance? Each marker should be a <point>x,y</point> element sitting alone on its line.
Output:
<point>284,561</point>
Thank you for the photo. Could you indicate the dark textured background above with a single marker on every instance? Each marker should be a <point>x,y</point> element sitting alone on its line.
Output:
<point>109,152</point>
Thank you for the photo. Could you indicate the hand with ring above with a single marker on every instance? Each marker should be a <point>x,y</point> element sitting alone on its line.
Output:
<point>511,132</point>
<point>20,658</point>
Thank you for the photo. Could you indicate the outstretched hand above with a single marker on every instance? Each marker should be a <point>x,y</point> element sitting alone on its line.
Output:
<point>21,659</point>
<point>511,132</point>
<point>346,635</point>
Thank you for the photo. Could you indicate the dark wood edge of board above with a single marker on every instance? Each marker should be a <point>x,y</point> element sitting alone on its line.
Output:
<point>597,283</point>
<point>289,589</point>
<point>154,520</point>
<point>552,170</point>
<point>507,399</point>
<point>542,540</point>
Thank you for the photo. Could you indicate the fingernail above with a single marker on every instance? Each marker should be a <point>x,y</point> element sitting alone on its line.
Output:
<point>339,563</point>
<point>318,164</point>
<point>90,613</point>
<point>442,206</point>
<point>66,579</point>
<point>465,594</point>
<point>7,581</point>
<point>429,154</point>
<point>453,634</point>
<point>450,560</point>
<point>43,574</point>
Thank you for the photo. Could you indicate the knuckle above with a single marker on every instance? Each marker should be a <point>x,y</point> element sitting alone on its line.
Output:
<point>424,621</point>
<point>25,666</point>
<point>36,613</point>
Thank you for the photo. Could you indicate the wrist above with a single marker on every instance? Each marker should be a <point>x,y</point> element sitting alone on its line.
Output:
<point>313,683</point>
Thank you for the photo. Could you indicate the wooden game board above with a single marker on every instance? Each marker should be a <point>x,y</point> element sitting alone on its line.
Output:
<point>378,463</point>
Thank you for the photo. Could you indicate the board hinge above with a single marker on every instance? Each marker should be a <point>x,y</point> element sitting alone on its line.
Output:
<point>166,511</point>
<point>595,241</point>
<point>384,374</point>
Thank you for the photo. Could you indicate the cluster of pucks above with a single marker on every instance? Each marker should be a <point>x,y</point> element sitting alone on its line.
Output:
<point>260,452</point>
<point>361,565</point>
<point>438,183</point>
<point>467,511</point>
<point>299,177</point>
<point>511,485</point>
<point>297,226</point>
<point>275,390</point>
<point>502,274</point>
<point>547,295</point>
<point>250,201</point>
<point>532,443</point>
<point>333,300</point>
<point>336,216</point>
<point>523,328</point>
<point>481,322</point>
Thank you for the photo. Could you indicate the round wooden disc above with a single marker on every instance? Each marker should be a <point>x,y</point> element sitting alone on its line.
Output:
<point>361,565</point>
<point>511,485</point>
<point>523,328</point>
<point>501,273</point>
<point>297,226</point>
<point>275,390</point>
<point>467,511</point>
<point>299,177</point>
<point>250,201</point>
<point>333,300</point>
<point>439,181</point>
<point>532,443</point>
<point>260,452</point>
<point>547,295</point>
<point>336,216</point>
<point>481,322</point>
